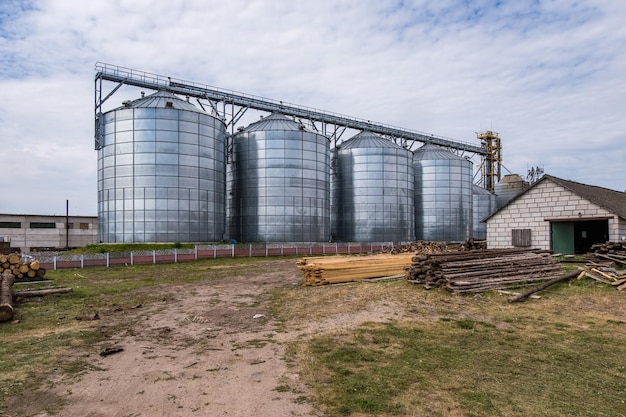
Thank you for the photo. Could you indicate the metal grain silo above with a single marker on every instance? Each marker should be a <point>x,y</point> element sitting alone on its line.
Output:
<point>373,190</point>
<point>508,187</point>
<point>483,204</point>
<point>280,190</point>
<point>443,195</point>
<point>161,172</point>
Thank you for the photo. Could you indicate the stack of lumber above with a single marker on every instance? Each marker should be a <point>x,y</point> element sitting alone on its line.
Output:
<point>338,269</point>
<point>21,267</point>
<point>483,270</point>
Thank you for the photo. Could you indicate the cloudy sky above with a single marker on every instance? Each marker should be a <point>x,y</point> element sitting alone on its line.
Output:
<point>548,75</point>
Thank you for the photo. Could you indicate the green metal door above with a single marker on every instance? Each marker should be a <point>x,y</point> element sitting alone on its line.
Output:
<point>563,238</point>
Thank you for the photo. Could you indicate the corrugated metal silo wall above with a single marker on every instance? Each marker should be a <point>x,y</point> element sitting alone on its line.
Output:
<point>506,190</point>
<point>443,200</point>
<point>161,176</point>
<point>373,195</point>
<point>280,186</point>
<point>483,204</point>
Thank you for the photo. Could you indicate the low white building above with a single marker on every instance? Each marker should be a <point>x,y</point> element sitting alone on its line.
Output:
<point>563,216</point>
<point>29,232</point>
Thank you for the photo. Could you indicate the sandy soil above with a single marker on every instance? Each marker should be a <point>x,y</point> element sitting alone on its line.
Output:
<point>207,350</point>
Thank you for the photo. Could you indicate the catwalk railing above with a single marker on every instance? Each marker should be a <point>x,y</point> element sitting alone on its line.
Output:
<point>146,257</point>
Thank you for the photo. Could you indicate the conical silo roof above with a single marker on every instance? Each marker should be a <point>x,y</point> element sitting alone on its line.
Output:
<point>274,121</point>
<point>430,152</point>
<point>367,140</point>
<point>478,190</point>
<point>162,99</point>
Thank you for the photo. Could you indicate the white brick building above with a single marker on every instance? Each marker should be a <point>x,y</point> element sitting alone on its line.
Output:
<point>564,216</point>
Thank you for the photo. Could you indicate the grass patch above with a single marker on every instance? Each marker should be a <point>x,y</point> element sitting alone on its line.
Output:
<point>462,355</point>
<point>127,247</point>
<point>485,372</point>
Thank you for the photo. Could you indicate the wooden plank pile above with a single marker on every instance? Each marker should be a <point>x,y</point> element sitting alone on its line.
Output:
<point>607,275</point>
<point>338,269</point>
<point>483,270</point>
<point>21,268</point>
<point>606,264</point>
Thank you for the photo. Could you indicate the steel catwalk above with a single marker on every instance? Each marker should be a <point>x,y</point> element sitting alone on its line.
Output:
<point>372,198</point>
<point>483,204</point>
<point>161,172</point>
<point>280,190</point>
<point>443,195</point>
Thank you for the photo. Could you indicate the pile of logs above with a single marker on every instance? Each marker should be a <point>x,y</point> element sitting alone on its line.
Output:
<point>21,268</point>
<point>421,247</point>
<point>483,270</point>
<point>609,251</point>
<point>610,247</point>
<point>339,269</point>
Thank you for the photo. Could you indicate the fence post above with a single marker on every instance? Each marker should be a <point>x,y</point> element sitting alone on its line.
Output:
<point>324,248</point>
<point>132,258</point>
<point>348,248</point>
<point>54,262</point>
<point>175,255</point>
<point>195,252</point>
<point>250,250</point>
<point>214,252</point>
<point>82,261</point>
<point>232,250</point>
<point>108,259</point>
<point>265,249</point>
<point>310,249</point>
<point>281,250</point>
<point>153,257</point>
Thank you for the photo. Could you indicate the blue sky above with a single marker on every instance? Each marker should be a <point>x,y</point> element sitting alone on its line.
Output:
<point>548,76</point>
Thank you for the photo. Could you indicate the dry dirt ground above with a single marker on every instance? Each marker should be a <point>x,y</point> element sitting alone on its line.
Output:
<point>208,349</point>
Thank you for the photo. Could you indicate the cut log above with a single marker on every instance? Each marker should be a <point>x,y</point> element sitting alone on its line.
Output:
<point>35,265</point>
<point>6,296</point>
<point>41,293</point>
<point>14,259</point>
<point>543,286</point>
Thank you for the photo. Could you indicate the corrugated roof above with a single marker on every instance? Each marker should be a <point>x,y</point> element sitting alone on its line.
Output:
<point>610,200</point>
<point>160,99</point>
<point>274,121</point>
<point>431,152</point>
<point>367,140</point>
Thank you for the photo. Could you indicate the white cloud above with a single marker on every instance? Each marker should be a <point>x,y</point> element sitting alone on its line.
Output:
<point>546,75</point>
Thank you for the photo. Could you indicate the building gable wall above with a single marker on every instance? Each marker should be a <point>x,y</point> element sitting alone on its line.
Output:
<point>531,210</point>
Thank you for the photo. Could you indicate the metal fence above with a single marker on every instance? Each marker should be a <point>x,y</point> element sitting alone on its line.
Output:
<point>109,259</point>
